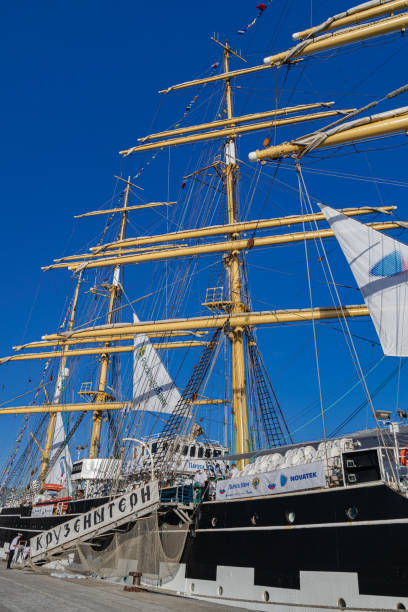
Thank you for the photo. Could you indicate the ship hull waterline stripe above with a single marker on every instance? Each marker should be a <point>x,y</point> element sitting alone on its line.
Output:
<point>313,526</point>
<point>223,599</point>
<point>22,528</point>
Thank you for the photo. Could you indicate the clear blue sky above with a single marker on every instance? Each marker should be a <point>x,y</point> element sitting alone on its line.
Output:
<point>80,82</point>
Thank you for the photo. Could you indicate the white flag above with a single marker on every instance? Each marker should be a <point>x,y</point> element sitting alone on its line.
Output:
<point>153,388</point>
<point>380,266</point>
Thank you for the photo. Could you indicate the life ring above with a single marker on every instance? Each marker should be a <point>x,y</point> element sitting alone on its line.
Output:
<point>404,456</point>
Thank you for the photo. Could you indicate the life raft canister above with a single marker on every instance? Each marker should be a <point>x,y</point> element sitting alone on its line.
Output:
<point>404,456</point>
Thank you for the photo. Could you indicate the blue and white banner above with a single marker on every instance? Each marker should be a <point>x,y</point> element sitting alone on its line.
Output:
<point>309,476</point>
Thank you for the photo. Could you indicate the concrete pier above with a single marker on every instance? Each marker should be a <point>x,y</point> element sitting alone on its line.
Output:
<point>26,590</point>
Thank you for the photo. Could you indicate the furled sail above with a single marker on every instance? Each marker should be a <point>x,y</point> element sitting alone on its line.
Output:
<point>153,388</point>
<point>380,266</point>
<point>60,472</point>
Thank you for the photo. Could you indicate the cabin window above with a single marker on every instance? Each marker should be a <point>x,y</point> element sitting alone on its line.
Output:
<point>192,451</point>
<point>200,452</point>
<point>290,517</point>
<point>400,606</point>
<point>352,513</point>
<point>341,603</point>
<point>214,521</point>
<point>207,453</point>
<point>192,587</point>
<point>185,450</point>
<point>266,596</point>
<point>220,591</point>
<point>217,452</point>
<point>154,447</point>
<point>178,448</point>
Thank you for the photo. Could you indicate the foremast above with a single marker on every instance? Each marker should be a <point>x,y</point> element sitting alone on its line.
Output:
<point>102,396</point>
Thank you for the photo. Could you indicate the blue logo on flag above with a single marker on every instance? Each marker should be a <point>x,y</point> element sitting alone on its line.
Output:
<point>390,265</point>
<point>283,480</point>
<point>271,485</point>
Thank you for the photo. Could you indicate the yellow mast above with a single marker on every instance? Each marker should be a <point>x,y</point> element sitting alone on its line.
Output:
<point>239,406</point>
<point>101,395</point>
<point>60,381</point>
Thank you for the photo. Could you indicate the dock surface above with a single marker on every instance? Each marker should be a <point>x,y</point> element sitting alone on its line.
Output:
<point>36,592</point>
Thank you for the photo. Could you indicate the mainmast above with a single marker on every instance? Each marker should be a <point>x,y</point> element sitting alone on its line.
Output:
<point>102,396</point>
<point>239,404</point>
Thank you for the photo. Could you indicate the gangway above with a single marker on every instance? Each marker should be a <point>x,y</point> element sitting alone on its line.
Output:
<point>93,523</point>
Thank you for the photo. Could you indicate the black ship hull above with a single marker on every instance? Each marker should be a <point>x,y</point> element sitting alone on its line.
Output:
<point>245,552</point>
<point>299,551</point>
<point>20,519</point>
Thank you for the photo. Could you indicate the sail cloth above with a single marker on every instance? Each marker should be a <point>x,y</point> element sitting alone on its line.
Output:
<point>153,388</point>
<point>60,473</point>
<point>380,266</point>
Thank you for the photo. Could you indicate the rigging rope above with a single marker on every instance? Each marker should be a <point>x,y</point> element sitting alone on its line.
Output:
<point>301,195</point>
<point>349,338</point>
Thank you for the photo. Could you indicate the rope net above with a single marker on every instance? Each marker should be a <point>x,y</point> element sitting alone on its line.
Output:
<point>147,545</point>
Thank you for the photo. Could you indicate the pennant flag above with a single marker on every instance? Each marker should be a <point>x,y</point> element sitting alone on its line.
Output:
<point>188,108</point>
<point>380,266</point>
<point>261,8</point>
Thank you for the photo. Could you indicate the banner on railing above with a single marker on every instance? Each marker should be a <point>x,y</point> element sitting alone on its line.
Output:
<point>309,476</point>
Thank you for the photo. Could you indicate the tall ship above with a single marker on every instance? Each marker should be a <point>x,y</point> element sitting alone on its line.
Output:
<point>155,439</point>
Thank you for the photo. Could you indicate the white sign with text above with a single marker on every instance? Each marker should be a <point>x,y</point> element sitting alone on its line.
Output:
<point>309,476</point>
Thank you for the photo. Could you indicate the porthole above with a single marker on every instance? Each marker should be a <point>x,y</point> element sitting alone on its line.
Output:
<point>266,596</point>
<point>220,591</point>
<point>254,519</point>
<point>400,606</point>
<point>214,521</point>
<point>290,517</point>
<point>352,513</point>
<point>192,587</point>
<point>341,603</point>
